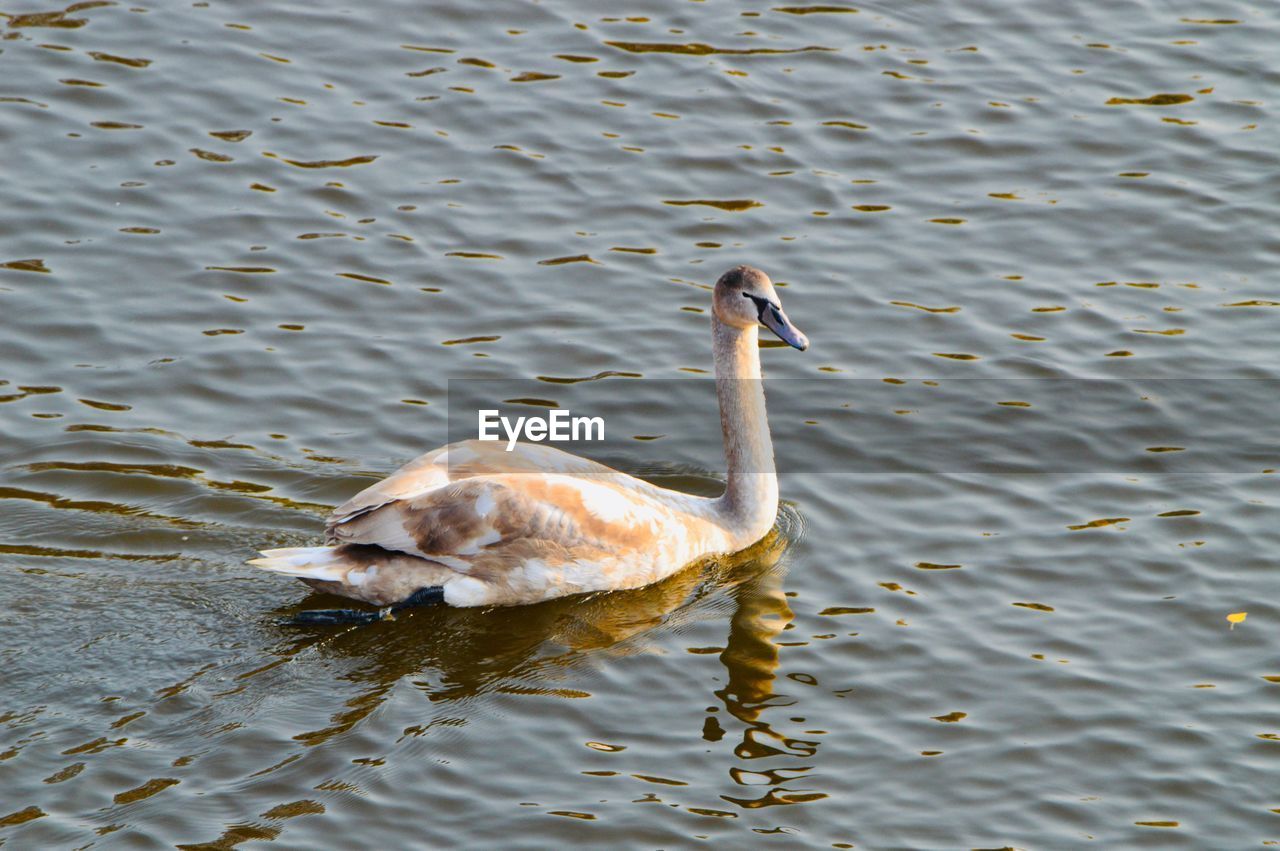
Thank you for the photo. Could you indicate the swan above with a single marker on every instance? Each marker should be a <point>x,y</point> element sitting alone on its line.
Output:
<point>471,524</point>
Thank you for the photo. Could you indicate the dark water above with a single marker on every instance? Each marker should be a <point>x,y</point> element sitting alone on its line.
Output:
<point>242,250</point>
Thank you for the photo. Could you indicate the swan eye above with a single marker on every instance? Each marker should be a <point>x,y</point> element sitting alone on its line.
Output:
<point>761,304</point>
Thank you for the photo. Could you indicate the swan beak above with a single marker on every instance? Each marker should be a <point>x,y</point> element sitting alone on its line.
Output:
<point>776,321</point>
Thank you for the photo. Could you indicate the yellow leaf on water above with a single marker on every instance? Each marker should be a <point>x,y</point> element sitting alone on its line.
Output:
<point>1237,617</point>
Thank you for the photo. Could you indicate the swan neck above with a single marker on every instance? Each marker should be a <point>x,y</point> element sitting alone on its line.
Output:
<point>749,505</point>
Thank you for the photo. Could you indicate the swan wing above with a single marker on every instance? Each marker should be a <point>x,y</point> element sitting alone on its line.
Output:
<point>492,522</point>
<point>531,524</point>
<point>459,461</point>
<point>421,475</point>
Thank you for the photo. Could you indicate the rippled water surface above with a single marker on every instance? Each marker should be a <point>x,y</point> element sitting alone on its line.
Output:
<point>244,246</point>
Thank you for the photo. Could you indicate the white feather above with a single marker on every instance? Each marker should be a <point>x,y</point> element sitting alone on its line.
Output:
<point>304,562</point>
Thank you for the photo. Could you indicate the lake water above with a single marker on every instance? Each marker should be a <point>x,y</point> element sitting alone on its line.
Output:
<point>244,247</point>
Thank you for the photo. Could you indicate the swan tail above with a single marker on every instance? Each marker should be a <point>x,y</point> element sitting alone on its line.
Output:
<point>366,573</point>
<point>323,563</point>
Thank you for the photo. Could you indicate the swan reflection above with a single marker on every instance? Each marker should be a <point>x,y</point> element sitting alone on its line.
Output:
<point>454,656</point>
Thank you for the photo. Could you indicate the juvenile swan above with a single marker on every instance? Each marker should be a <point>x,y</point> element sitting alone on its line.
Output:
<point>473,525</point>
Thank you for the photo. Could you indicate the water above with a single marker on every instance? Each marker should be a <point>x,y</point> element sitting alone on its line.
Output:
<point>245,248</point>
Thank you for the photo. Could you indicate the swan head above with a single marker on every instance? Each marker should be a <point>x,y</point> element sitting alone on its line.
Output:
<point>744,296</point>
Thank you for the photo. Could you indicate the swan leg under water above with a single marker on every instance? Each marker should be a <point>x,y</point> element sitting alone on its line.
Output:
<point>471,524</point>
<point>428,596</point>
